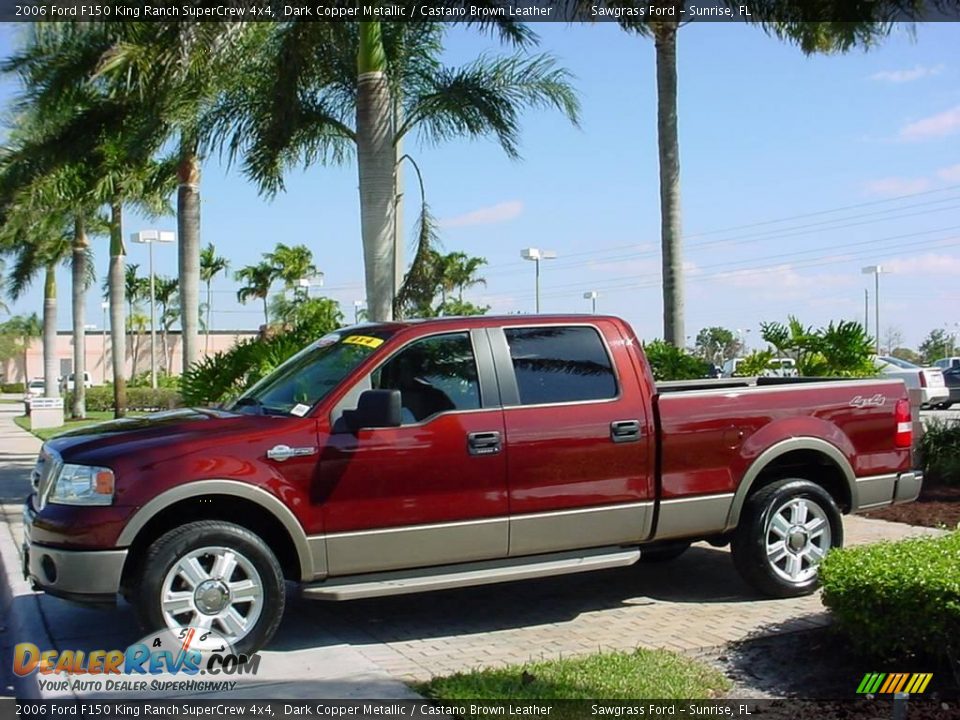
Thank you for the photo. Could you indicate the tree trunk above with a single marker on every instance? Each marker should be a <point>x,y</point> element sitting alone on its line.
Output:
<point>266,313</point>
<point>206,343</point>
<point>118,324</point>
<point>79,266</point>
<point>375,162</point>
<point>50,386</point>
<point>188,226</point>
<point>166,356</point>
<point>665,34</point>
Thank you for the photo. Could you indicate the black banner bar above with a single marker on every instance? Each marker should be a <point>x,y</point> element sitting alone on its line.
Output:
<point>620,11</point>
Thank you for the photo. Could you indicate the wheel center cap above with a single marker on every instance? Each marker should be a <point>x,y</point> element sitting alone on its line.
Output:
<point>211,597</point>
<point>797,538</point>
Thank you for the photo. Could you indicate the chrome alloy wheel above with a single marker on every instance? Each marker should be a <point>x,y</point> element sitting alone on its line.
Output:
<point>213,588</point>
<point>797,538</point>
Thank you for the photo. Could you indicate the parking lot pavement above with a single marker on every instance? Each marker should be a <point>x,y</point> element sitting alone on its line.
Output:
<point>354,649</point>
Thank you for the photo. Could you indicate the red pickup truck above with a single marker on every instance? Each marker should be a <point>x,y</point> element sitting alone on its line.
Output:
<point>399,457</point>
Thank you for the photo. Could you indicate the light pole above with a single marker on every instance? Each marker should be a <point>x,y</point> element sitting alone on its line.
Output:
<point>536,254</point>
<point>149,237</point>
<point>875,270</point>
<point>591,295</point>
<point>357,304</point>
<point>103,351</point>
<point>743,340</point>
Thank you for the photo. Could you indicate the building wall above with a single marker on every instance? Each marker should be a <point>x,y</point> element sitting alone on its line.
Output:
<point>99,348</point>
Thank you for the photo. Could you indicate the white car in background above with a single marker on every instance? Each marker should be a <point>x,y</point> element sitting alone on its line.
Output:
<point>929,380</point>
<point>34,389</point>
<point>778,367</point>
<point>948,363</point>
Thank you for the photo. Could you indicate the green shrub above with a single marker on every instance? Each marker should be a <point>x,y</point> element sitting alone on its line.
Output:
<point>896,599</point>
<point>163,380</point>
<point>138,398</point>
<point>940,452</point>
<point>12,387</point>
<point>668,362</point>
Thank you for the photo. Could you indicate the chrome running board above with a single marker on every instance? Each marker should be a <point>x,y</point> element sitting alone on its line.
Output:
<point>443,577</point>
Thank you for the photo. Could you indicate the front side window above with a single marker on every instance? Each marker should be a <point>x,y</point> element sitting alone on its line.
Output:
<point>434,375</point>
<point>560,365</point>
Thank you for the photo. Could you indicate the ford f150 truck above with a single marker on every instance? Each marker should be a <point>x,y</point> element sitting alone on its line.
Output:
<point>397,457</point>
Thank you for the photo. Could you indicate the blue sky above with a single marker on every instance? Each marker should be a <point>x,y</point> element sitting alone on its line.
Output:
<point>796,172</point>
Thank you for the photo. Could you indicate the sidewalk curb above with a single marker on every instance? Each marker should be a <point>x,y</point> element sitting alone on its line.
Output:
<point>20,606</point>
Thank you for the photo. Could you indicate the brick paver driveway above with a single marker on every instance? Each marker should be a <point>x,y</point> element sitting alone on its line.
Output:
<point>693,602</point>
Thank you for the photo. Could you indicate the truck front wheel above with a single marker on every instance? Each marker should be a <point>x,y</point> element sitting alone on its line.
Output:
<point>216,576</point>
<point>785,530</point>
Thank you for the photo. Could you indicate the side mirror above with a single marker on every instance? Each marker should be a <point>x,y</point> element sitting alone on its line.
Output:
<point>375,408</point>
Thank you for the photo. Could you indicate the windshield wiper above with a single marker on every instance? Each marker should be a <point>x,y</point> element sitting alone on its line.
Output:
<point>259,407</point>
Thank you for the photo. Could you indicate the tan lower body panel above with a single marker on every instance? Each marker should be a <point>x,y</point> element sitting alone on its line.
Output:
<point>875,491</point>
<point>696,516</point>
<point>416,546</point>
<point>585,527</point>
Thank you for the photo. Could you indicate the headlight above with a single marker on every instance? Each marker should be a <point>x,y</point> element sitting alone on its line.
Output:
<point>83,485</point>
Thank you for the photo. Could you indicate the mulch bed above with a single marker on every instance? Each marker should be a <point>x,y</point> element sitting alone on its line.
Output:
<point>938,506</point>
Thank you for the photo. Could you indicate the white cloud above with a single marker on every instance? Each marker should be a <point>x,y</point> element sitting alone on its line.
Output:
<point>935,126</point>
<point>894,186</point>
<point>925,265</point>
<point>783,281</point>
<point>904,76</point>
<point>949,174</point>
<point>501,212</point>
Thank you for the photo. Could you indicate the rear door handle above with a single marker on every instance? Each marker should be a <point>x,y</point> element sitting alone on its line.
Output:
<point>625,430</point>
<point>483,443</point>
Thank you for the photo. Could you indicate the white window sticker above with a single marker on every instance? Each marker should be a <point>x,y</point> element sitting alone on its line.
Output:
<point>299,409</point>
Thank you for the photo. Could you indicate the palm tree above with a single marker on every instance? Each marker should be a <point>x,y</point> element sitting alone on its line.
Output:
<point>291,263</point>
<point>100,130</point>
<point>461,272</point>
<point>137,324</point>
<point>258,279</point>
<point>39,246</point>
<point>211,265</point>
<point>174,71</point>
<point>770,15</point>
<point>166,294</point>
<point>368,85</point>
<point>24,329</point>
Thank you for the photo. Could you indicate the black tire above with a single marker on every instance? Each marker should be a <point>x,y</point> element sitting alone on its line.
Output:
<point>803,546</point>
<point>663,553</point>
<point>255,567</point>
<point>945,405</point>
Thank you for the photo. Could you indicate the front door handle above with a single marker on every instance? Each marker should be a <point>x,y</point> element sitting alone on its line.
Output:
<point>483,443</point>
<point>625,430</point>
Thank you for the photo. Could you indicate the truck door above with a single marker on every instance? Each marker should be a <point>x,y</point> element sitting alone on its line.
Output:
<point>434,490</point>
<point>579,443</point>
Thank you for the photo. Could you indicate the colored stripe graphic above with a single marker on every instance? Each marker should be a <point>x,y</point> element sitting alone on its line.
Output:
<point>883,683</point>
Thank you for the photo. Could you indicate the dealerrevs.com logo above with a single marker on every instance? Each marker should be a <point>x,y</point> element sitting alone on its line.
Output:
<point>165,661</point>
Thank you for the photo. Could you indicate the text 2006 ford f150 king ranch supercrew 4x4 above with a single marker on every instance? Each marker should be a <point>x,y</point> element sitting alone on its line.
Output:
<point>398,457</point>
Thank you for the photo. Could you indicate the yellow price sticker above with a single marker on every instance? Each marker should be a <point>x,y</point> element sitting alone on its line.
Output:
<point>365,340</point>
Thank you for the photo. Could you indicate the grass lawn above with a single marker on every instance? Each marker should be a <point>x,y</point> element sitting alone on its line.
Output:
<point>10,401</point>
<point>610,675</point>
<point>93,417</point>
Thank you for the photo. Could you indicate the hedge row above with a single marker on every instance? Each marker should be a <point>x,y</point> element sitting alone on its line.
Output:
<point>12,387</point>
<point>138,398</point>
<point>940,452</point>
<point>899,598</point>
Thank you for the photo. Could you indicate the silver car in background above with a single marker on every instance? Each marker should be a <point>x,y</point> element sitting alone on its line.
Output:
<point>929,380</point>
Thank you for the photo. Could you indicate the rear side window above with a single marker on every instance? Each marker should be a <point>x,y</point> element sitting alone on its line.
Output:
<point>560,365</point>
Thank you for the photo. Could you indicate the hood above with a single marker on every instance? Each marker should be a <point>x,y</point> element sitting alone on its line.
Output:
<point>103,443</point>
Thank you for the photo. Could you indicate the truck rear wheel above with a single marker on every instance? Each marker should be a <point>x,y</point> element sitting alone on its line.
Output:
<point>785,530</point>
<point>212,575</point>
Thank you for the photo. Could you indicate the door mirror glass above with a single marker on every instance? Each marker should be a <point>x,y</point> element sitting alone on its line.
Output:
<point>375,408</point>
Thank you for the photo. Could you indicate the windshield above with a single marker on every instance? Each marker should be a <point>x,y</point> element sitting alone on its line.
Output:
<point>309,376</point>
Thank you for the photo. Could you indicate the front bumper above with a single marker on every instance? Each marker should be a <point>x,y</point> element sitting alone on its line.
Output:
<point>86,576</point>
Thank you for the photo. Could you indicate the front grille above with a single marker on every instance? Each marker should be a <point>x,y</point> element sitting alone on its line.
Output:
<point>44,473</point>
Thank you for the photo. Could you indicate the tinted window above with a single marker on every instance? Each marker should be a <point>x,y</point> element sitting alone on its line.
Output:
<point>434,375</point>
<point>560,364</point>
